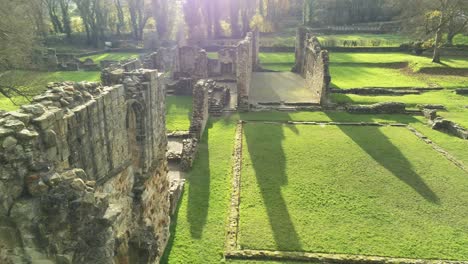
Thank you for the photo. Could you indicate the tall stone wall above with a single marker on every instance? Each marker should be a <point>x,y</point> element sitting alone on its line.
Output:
<point>244,71</point>
<point>193,62</point>
<point>313,64</point>
<point>200,113</point>
<point>83,174</point>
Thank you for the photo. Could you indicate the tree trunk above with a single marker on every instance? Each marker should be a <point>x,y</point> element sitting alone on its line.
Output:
<point>234,18</point>
<point>438,40</point>
<point>66,21</point>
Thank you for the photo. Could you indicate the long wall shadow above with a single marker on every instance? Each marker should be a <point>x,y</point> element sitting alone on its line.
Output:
<point>199,188</point>
<point>270,171</point>
<point>382,150</point>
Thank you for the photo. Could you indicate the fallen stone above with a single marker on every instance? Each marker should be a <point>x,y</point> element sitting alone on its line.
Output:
<point>431,106</point>
<point>14,124</point>
<point>429,114</point>
<point>450,127</point>
<point>78,184</point>
<point>25,118</point>
<point>4,132</point>
<point>26,134</point>
<point>34,109</point>
<point>9,143</point>
<point>462,91</point>
<point>37,188</point>
<point>55,179</point>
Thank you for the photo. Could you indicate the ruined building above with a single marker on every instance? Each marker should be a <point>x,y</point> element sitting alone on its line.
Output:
<point>83,174</point>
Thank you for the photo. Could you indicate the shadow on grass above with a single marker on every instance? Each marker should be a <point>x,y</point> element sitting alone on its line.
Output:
<point>270,171</point>
<point>199,188</point>
<point>382,150</point>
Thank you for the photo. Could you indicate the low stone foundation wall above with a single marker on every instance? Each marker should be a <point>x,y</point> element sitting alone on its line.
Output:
<point>463,91</point>
<point>86,165</point>
<point>380,108</point>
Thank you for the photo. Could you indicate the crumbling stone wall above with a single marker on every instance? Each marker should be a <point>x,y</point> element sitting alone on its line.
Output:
<point>83,171</point>
<point>313,64</point>
<point>244,71</point>
<point>163,60</point>
<point>193,62</point>
<point>200,108</point>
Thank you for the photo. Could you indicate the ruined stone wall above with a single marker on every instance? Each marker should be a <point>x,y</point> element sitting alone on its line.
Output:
<point>255,49</point>
<point>83,174</point>
<point>193,62</point>
<point>313,64</point>
<point>200,112</point>
<point>164,60</point>
<point>301,37</point>
<point>244,71</point>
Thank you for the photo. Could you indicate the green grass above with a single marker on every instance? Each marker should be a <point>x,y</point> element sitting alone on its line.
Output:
<point>198,231</point>
<point>364,76</point>
<point>364,40</point>
<point>34,82</point>
<point>116,56</point>
<point>277,61</point>
<point>198,234</point>
<point>357,190</point>
<point>178,113</point>
<point>336,40</point>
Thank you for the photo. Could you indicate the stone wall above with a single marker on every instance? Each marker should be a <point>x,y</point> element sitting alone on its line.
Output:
<point>163,60</point>
<point>193,62</point>
<point>313,64</point>
<point>83,174</point>
<point>200,108</point>
<point>244,71</point>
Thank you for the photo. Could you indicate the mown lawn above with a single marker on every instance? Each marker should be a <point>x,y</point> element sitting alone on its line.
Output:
<point>198,232</point>
<point>117,56</point>
<point>277,61</point>
<point>178,113</point>
<point>34,82</point>
<point>337,40</point>
<point>354,70</point>
<point>357,190</point>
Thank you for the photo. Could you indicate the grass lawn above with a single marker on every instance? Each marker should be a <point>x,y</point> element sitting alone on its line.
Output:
<point>198,231</point>
<point>368,190</point>
<point>364,40</point>
<point>277,61</point>
<point>34,82</point>
<point>117,56</point>
<point>178,113</point>
<point>357,76</point>
<point>288,39</point>
<point>353,70</point>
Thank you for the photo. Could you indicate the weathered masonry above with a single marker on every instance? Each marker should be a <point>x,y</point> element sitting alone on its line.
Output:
<point>83,174</point>
<point>312,62</point>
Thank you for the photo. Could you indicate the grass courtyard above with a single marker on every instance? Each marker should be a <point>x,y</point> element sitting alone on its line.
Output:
<point>178,113</point>
<point>355,190</point>
<point>199,230</point>
<point>115,56</point>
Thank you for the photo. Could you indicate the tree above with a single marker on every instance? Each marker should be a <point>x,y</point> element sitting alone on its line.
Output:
<point>17,39</point>
<point>66,20</point>
<point>161,16</point>
<point>120,25</point>
<point>139,15</point>
<point>234,9</point>
<point>434,19</point>
<point>94,14</point>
